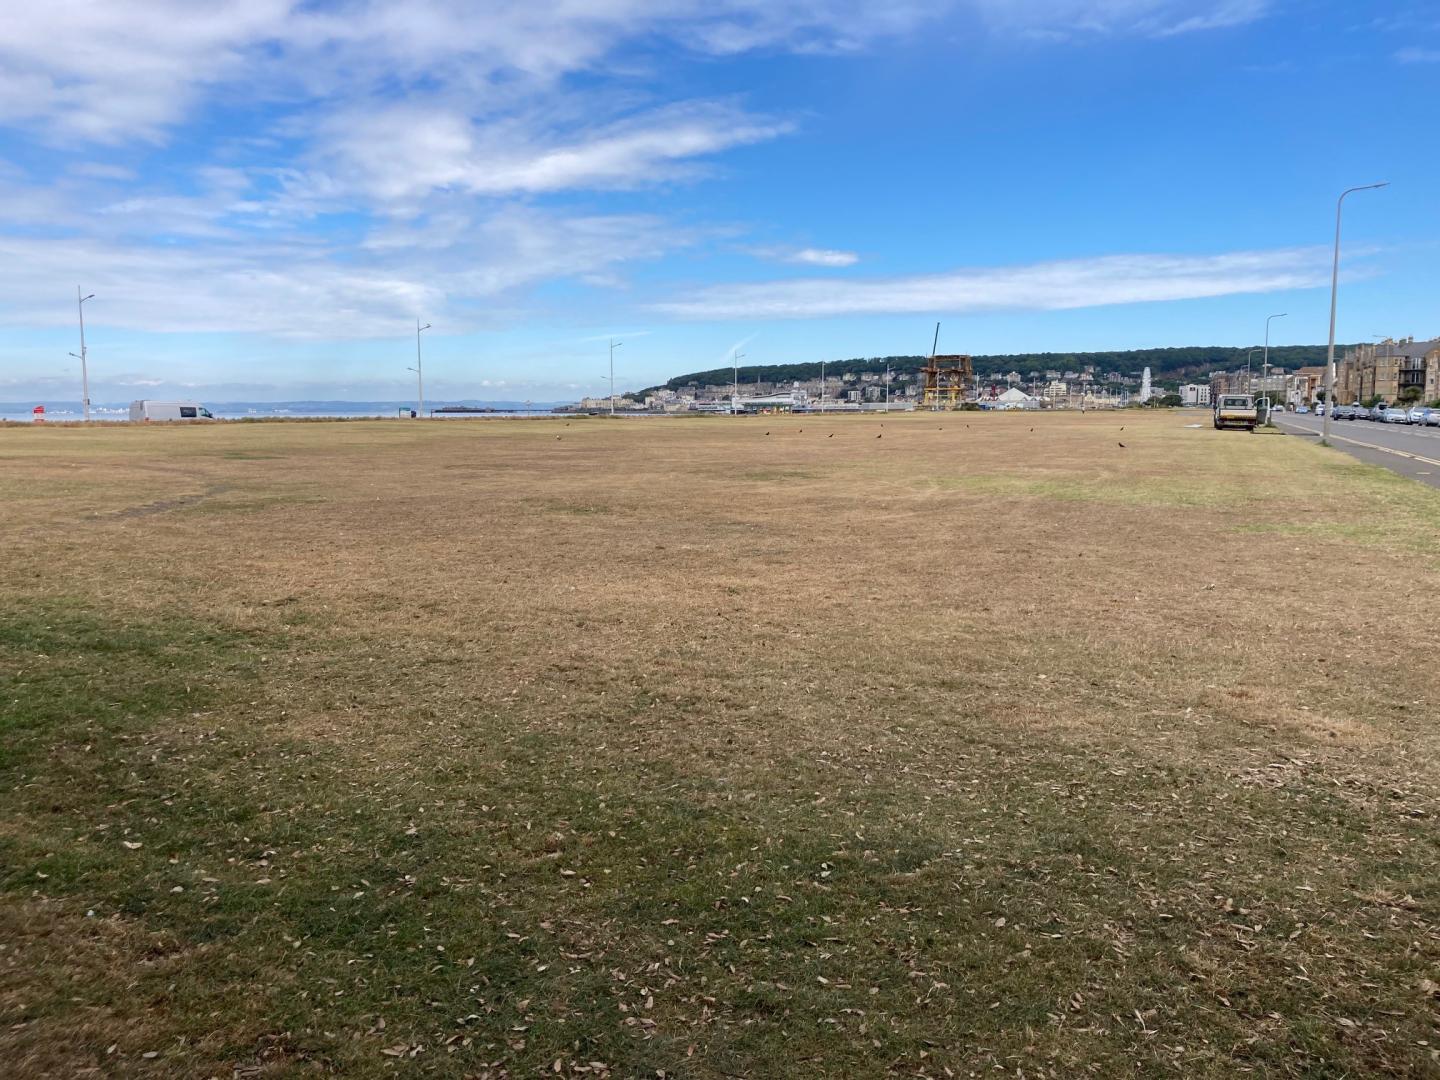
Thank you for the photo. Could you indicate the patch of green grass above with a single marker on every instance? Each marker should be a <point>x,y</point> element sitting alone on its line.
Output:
<point>528,898</point>
<point>67,676</point>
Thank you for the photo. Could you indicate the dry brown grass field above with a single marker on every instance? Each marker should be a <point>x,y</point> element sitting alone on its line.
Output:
<point>766,747</point>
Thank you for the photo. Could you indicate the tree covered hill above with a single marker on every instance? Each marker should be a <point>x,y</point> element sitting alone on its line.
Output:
<point>1190,362</point>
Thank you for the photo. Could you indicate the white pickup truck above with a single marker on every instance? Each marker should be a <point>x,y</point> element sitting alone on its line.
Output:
<point>1236,411</point>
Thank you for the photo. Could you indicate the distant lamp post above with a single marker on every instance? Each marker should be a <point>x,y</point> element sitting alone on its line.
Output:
<point>822,386</point>
<point>1265,364</point>
<point>419,370</point>
<point>887,385</point>
<point>613,346</point>
<point>1334,289</point>
<point>735,357</point>
<point>83,354</point>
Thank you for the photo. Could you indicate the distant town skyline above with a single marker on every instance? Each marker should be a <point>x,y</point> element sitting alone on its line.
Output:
<point>265,197</point>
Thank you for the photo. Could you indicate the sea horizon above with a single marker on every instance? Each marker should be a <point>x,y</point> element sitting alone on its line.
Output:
<point>335,408</point>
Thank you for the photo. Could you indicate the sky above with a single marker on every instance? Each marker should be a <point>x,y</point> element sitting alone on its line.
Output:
<point>264,196</point>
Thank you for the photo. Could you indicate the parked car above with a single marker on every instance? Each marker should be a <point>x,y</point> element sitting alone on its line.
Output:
<point>1301,410</point>
<point>1320,409</point>
<point>1376,413</point>
<point>1433,419</point>
<point>1419,415</point>
<point>1343,412</point>
<point>1395,415</point>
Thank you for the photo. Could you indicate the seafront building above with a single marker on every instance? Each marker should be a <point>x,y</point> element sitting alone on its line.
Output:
<point>1389,370</point>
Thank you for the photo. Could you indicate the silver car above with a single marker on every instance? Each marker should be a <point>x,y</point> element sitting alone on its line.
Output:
<point>1396,415</point>
<point>1419,415</point>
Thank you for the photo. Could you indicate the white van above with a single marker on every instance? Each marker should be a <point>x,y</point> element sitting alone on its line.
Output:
<point>168,410</point>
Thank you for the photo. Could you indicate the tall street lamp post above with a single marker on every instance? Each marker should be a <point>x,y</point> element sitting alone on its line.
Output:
<point>735,357</point>
<point>613,346</point>
<point>1265,365</point>
<point>83,354</point>
<point>1334,288</point>
<point>419,372</point>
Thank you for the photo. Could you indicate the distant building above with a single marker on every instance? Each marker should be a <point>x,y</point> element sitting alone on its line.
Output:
<point>786,402</point>
<point>1404,370</point>
<point>1301,387</point>
<point>1144,386</point>
<point>1194,394</point>
<point>1015,398</point>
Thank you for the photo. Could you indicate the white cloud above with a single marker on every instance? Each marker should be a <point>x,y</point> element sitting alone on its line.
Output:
<point>1153,18</point>
<point>406,151</point>
<point>807,256</point>
<point>111,72</point>
<point>456,271</point>
<point>1115,279</point>
<point>114,71</point>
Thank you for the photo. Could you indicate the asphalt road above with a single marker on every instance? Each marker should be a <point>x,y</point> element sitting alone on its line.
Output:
<point>1409,451</point>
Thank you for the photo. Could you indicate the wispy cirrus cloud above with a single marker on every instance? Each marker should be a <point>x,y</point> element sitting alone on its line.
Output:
<point>1418,56</point>
<point>822,257</point>
<point>407,151</point>
<point>134,70</point>
<point>806,256</point>
<point>1059,19</point>
<point>1075,283</point>
<point>284,287</point>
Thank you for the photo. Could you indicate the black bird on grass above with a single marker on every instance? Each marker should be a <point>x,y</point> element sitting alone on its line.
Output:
<point>1122,446</point>
<point>879,436</point>
<point>830,436</point>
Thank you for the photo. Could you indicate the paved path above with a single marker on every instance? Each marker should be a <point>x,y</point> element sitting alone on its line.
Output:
<point>1409,451</point>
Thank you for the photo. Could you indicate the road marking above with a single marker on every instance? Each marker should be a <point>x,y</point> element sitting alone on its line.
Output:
<point>1387,450</point>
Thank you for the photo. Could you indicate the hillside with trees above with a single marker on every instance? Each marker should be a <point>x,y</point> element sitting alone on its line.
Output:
<point>1183,364</point>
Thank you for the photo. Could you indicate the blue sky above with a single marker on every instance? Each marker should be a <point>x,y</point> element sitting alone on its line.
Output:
<point>264,196</point>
